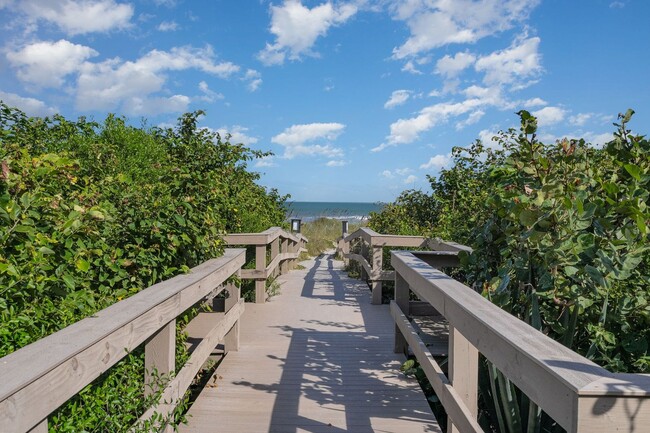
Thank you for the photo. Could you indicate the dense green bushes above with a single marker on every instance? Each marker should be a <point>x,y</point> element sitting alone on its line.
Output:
<point>559,231</point>
<point>560,238</point>
<point>91,213</point>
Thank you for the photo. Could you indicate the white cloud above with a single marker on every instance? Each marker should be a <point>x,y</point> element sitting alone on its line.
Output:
<point>408,130</point>
<point>46,64</point>
<point>514,65</point>
<point>433,24</point>
<point>437,162</point>
<point>398,97</point>
<point>411,179</point>
<point>452,66</point>
<point>403,171</point>
<point>336,163</point>
<point>168,26</point>
<point>31,106</point>
<point>114,83</point>
<point>294,140</point>
<point>487,138</point>
<point>549,115</point>
<point>238,134</point>
<point>267,161</point>
<point>617,5</point>
<point>473,117</point>
<point>598,140</point>
<point>580,119</point>
<point>142,106</point>
<point>534,102</point>
<point>80,16</point>
<point>254,79</point>
<point>296,28</point>
<point>387,174</point>
<point>208,94</point>
<point>410,67</point>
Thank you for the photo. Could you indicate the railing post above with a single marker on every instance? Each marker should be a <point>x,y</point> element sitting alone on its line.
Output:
<point>377,263</point>
<point>402,298</point>
<point>284,246</point>
<point>463,372</point>
<point>160,364</point>
<point>231,340</point>
<point>364,252</point>
<point>275,250</point>
<point>260,265</point>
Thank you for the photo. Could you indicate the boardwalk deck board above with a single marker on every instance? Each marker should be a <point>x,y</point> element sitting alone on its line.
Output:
<point>317,358</point>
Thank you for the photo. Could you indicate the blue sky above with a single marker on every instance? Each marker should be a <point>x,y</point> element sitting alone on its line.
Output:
<point>358,99</point>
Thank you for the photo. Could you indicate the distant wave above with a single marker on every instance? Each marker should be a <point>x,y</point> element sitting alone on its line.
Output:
<point>309,211</point>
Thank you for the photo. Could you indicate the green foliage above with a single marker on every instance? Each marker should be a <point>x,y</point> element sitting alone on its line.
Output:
<point>560,238</point>
<point>92,213</point>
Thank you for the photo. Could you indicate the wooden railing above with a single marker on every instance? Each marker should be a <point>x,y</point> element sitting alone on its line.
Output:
<point>37,379</point>
<point>282,247</point>
<point>579,395</point>
<point>370,255</point>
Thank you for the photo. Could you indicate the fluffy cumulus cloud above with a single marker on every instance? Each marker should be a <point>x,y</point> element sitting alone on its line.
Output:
<point>46,64</point>
<point>513,66</point>
<point>549,115</point>
<point>408,130</point>
<point>265,162</point>
<point>437,162</point>
<point>435,23</point>
<point>79,16</point>
<point>31,106</point>
<point>253,79</point>
<point>410,179</point>
<point>398,97</point>
<point>238,134</point>
<point>130,85</point>
<point>310,139</point>
<point>297,27</point>
<point>451,66</point>
<point>168,26</point>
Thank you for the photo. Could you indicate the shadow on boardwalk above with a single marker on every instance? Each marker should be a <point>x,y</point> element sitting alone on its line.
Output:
<point>318,359</point>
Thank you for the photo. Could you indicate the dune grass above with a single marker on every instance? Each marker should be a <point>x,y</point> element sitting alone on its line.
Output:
<point>323,234</point>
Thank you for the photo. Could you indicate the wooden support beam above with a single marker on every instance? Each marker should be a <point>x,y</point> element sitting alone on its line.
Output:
<point>463,372</point>
<point>260,265</point>
<point>377,263</point>
<point>402,295</point>
<point>231,340</point>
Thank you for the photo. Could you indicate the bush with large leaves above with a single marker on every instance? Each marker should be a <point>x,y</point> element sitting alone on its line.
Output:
<point>91,213</point>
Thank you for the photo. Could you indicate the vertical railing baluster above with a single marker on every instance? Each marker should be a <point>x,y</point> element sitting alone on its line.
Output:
<point>160,364</point>
<point>402,299</point>
<point>463,372</point>
<point>260,266</point>
<point>377,264</point>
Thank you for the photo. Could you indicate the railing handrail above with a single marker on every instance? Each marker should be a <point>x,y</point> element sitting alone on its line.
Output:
<point>550,374</point>
<point>263,238</point>
<point>378,239</point>
<point>60,365</point>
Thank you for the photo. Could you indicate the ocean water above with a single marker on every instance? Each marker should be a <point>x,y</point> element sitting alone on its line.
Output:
<point>311,210</point>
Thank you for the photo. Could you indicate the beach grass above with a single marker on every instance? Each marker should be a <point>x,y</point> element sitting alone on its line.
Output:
<point>323,233</point>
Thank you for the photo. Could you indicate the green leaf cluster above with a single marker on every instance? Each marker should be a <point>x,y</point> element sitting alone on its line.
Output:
<point>91,213</point>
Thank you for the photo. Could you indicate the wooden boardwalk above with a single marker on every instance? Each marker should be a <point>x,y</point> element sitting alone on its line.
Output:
<point>317,358</point>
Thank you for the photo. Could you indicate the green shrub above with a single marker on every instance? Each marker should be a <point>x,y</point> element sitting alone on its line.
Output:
<point>92,213</point>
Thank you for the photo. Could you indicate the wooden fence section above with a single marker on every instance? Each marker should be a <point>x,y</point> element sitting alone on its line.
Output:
<point>580,395</point>
<point>370,246</point>
<point>280,247</point>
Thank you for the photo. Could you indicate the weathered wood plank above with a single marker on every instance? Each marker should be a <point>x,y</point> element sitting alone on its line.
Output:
<point>454,405</point>
<point>549,373</point>
<point>318,355</point>
<point>33,385</point>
